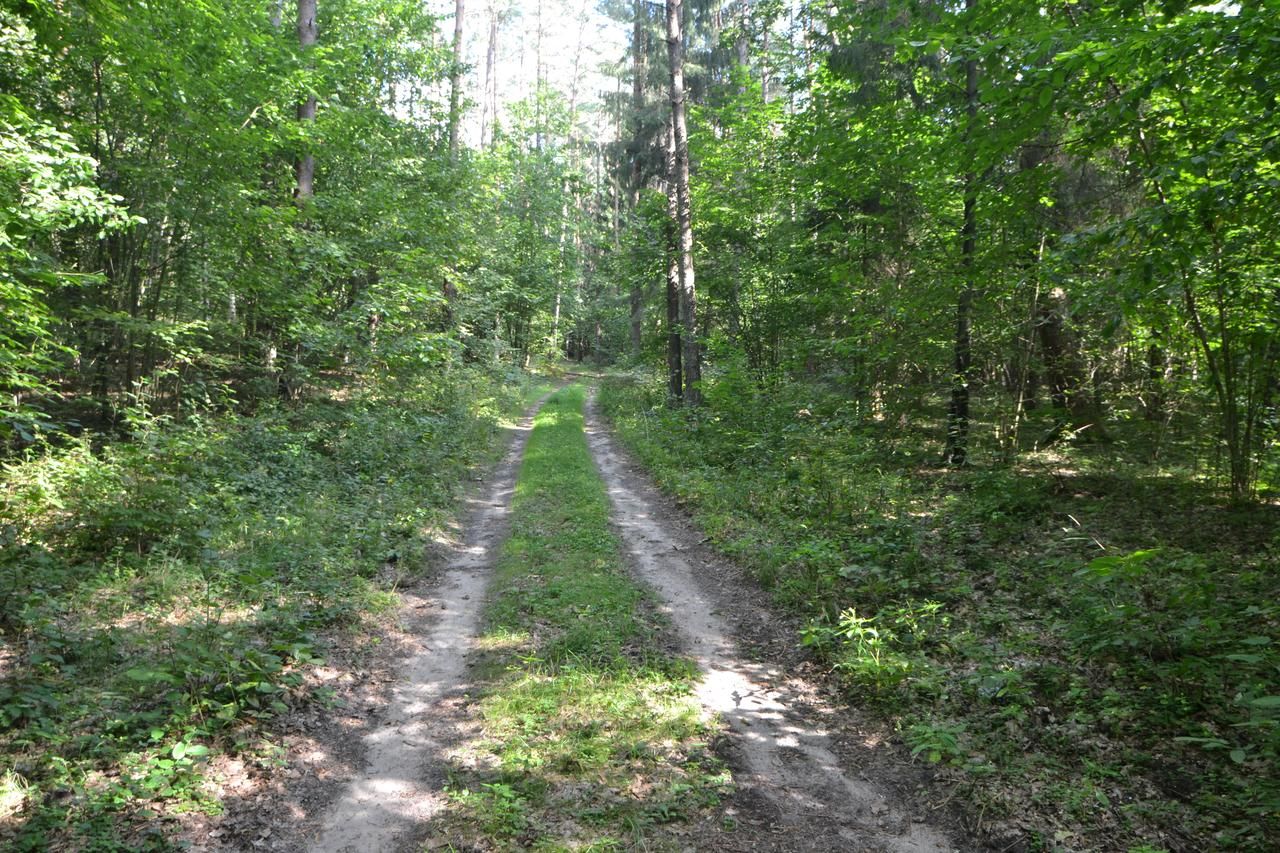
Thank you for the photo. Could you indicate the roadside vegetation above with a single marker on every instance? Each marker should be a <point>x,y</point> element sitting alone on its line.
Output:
<point>1085,645</point>
<point>162,599</point>
<point>589,735</point>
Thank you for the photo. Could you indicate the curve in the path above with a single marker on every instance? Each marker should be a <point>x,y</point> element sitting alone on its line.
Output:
<point>400,785</point>
<point>787,759</point>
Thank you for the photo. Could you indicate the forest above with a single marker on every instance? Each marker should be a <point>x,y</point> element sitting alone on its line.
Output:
<point>954,326</point>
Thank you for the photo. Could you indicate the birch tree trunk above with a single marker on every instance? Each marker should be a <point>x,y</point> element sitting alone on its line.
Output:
<point>691,354</point>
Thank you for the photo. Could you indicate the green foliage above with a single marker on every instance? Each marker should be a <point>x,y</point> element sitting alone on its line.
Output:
<point>46,187</point>
<point>172,271</point>
<point>864,653</point>
<point>1096,633</point>
<point>936,742</point>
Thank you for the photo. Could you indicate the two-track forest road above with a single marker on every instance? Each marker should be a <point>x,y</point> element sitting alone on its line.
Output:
<point>802,778</point>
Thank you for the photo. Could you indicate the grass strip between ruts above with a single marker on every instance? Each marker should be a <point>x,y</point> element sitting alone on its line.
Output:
<point>589,735</point>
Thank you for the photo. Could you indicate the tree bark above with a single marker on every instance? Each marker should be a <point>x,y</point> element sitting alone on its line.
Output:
<point>691,355</point>
<point>489,111</point>
<point>957,449</point>
<point>537,82</point>
<point>305,167</point>
<point>639,68</point>
<point>675,379</point>
<point>455,82</point>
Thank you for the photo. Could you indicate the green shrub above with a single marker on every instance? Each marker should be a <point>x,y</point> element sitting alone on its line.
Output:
<point>163,596</point>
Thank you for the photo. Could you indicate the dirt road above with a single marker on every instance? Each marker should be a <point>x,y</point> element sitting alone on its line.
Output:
<point>805,780</point>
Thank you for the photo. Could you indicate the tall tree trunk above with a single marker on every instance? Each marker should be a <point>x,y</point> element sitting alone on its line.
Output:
<point>1058,349</point>
<point>537,82</point>
<point>675,379</point>
<point>1066,375</point>
<point>574,80</point>
<point>489,110</point>
<point>764,60</point>
<point>305,168</point>
<point>639,68</point>
<point>957,450</point>
<point>691,355</point>
<point>455,82</point>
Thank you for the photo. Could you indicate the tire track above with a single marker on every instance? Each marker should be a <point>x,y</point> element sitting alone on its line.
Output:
<point>399,789</point>
<point>779,753</point>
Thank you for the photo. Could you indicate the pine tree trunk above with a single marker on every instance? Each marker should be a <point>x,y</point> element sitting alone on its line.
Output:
<point>489,112</point>
<point>691,355</point>
<point>639,67</point>
<point>675,379</point>
<point>537,81</point>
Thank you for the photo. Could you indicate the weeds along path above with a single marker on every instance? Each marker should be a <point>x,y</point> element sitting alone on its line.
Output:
<point>786,766</point>
<point>400,785</point>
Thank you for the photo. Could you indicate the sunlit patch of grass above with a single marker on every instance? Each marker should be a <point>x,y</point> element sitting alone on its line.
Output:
<point>533,390</point>
<point>583,719</point>
<point>501,640</point>
<point>590,736</point>
<point>13,795</point>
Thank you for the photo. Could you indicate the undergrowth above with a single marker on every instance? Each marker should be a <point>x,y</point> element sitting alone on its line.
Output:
<point>161,598</point>
<point>1088,648</point>
<point>590,736</point>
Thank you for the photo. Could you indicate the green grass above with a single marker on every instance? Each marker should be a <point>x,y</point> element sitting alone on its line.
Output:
<point>534,390</point>
<point>1074,623</point>
<point>591,739</point>
<point>162,599</point>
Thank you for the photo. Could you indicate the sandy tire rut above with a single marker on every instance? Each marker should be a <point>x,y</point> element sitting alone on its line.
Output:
<point>388,804</point>
<point>791,779</point>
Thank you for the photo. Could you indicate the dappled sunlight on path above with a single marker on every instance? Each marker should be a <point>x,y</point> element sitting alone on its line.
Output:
<point>776,751</point>
<point>400,785</point>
